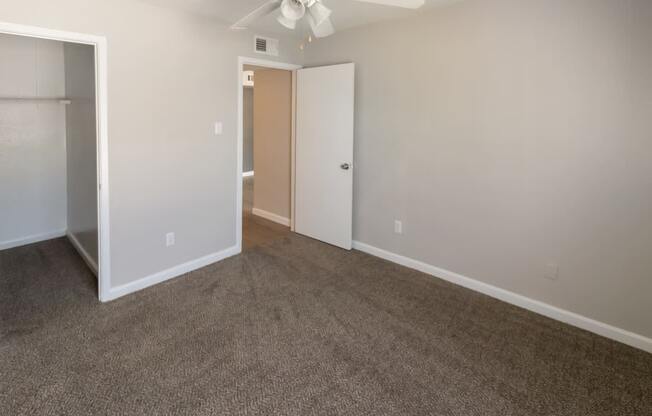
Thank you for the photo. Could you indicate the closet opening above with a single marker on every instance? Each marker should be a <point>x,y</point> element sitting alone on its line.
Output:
<point>52,139</point>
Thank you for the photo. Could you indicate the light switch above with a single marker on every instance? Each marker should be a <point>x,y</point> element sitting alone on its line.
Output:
<point>219,128</point>
<point>170,239</point>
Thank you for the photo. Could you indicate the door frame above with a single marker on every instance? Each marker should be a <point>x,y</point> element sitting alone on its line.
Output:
<point>101,119</point>
<point>242,61</point>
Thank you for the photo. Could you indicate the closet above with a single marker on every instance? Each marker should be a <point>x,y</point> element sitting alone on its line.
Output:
<point>48,145</point>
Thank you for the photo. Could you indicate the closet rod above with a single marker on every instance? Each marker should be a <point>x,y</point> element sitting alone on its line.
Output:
<point>62,100</point>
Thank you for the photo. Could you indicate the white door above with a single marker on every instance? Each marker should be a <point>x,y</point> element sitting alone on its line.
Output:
<point>324,154</point>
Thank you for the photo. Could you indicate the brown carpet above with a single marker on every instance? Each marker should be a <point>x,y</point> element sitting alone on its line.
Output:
<point>294,328</point>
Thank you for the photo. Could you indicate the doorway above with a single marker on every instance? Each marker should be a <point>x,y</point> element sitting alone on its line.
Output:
<point>267,144</point>
<point>321,151</point>
<point>54,149</point>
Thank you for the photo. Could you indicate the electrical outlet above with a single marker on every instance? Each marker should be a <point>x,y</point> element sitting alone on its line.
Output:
<point>398,227</point>
<point>552,271</point>
<point>169,239</point>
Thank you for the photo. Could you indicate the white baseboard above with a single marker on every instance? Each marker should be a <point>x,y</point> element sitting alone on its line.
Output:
<point>6,245</point>
<point>272,217</point>
<point>571,318</point>
<point>176,271</point>
<point>247,174</point>
<point>83,253</point>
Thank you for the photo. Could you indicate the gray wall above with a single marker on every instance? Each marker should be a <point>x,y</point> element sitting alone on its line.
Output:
<point>32,139</point>
<point>81,146</point>
<point>248,129</point>
<point>171,75</point>
<point>509,134</point>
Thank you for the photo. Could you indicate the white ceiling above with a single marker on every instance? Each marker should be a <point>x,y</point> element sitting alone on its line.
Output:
<point>346,13</point>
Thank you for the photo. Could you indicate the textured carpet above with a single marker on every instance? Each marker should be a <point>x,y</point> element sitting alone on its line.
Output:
<point>294,328</point>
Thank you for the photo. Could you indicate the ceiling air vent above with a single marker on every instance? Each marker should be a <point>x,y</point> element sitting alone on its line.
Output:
<point>266,46</point>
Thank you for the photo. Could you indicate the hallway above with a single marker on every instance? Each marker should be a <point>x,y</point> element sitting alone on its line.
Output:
<point>257,231</point>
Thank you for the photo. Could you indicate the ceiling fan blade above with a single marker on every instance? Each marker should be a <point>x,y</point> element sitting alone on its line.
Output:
<point>406,4</point>
<point>262,11</point>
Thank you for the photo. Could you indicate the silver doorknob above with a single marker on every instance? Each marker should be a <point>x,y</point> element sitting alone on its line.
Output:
<point>345,166</point>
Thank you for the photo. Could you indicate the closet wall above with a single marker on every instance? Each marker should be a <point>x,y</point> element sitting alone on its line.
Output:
<point>82,148</point>
<point>32,141</point>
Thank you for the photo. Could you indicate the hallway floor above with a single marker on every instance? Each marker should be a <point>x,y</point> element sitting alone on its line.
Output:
<point>257,230</point>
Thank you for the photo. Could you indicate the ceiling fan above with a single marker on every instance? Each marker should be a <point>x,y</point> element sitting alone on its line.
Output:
<point>317,15</point>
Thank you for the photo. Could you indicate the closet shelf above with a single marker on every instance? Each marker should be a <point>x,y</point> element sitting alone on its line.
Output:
<point>61,100</point>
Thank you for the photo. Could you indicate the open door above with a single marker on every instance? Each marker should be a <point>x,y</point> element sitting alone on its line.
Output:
<point>324,154</point>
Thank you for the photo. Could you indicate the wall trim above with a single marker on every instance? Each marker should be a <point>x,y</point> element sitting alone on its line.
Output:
<point>248,174</point>
<point>31,239</point>
<point>171,273</point>
<point>271,217</point>
<point>88,259</point>
<point>553,312</point>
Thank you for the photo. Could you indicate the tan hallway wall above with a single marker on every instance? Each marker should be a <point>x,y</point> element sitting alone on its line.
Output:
<point>272,141</point>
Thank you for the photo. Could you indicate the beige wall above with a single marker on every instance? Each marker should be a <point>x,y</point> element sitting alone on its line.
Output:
<point>81,145</point>
<point>272,141</point>
<point>32,140</point>
<point>509,134</point>
<point>171,75</point>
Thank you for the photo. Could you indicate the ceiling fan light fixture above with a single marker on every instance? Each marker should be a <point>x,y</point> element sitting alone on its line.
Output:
<point>288,23</point>
<point>318,12</point>
<point>322,30</point>
<point>293,9</point>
